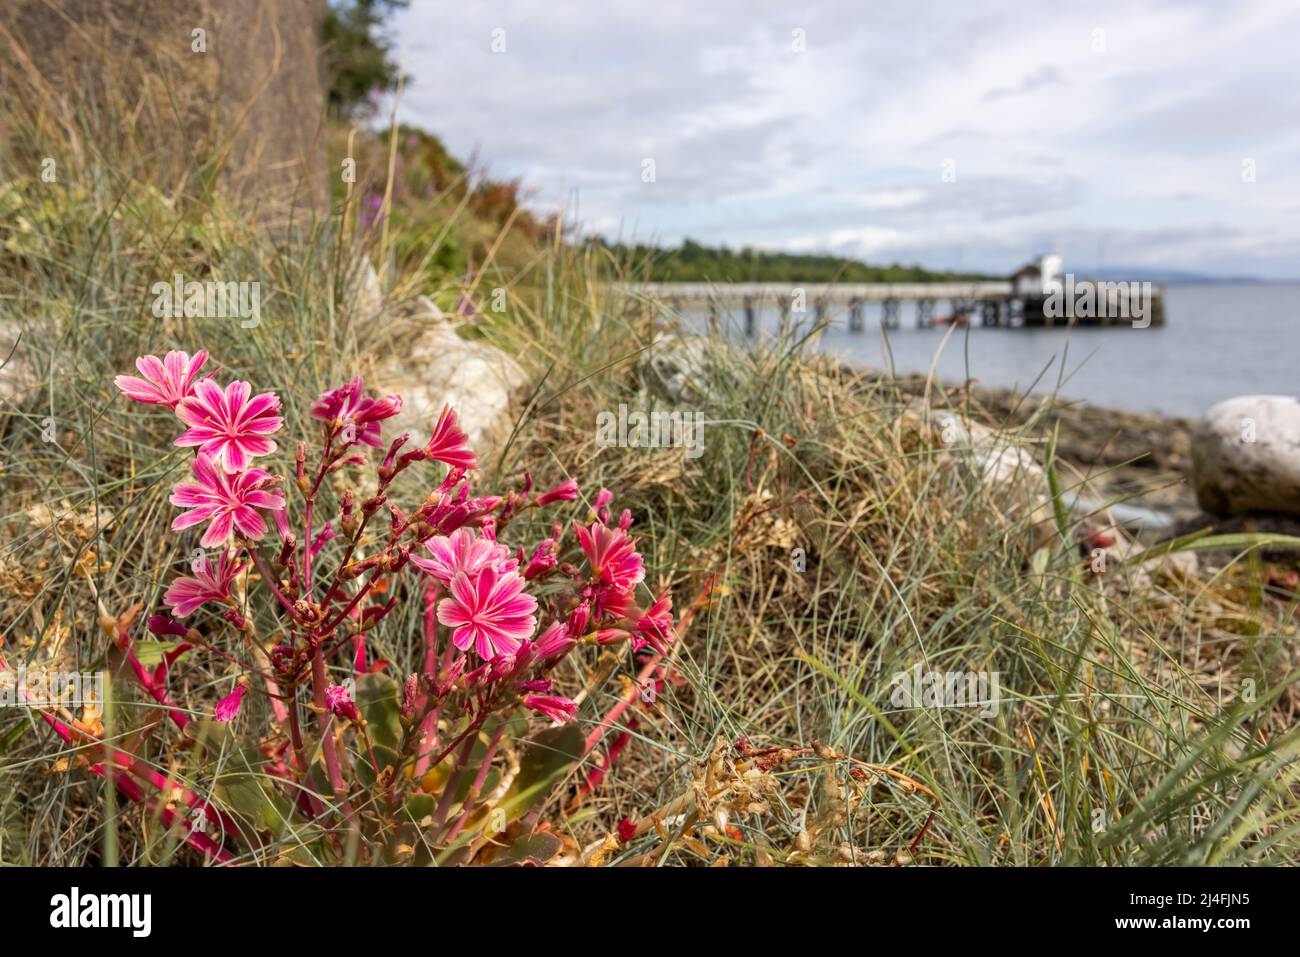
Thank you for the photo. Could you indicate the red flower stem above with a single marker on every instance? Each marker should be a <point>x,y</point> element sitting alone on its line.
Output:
<point>122,639</point>
<point>622,705</point>
<point>146,681</point>
<point>453,780</point>
<point>393,539</point>
<point>134,766</point>
<point>429,730</point>
<point>356,599</point>
<point>197,840</point>
<point>655,661</point>
<point>308,554</point>
<point>472,729</point>
<point>471,799</point>
<point>269,578</point>
<point>330,752</point>
<point>369,747</point>
<point>131,789</point>
<point>167,786</point>
<point>429,724</point>
<point>295,735</point>
<point>278,706</point>
<point>160,695</point>
<point>596,776</point>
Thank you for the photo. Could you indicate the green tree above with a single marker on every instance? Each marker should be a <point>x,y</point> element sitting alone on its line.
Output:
<point>356,55</point>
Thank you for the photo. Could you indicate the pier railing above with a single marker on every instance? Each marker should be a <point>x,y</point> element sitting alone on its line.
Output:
<point>993,302</point>
<point>840,293</point>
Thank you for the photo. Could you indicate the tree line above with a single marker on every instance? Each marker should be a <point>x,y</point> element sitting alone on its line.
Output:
<point>695,262</point>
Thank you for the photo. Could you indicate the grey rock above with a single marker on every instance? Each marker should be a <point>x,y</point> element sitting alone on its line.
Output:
<point>1246,456</point>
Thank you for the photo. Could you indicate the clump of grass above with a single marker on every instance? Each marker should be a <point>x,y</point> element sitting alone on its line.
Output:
<point>1137,724</point>
<point>1143,724</point>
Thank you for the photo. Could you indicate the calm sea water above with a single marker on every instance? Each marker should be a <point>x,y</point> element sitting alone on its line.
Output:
<point>1219,340</point>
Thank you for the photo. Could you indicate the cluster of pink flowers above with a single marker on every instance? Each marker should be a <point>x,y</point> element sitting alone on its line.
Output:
<point>497,619</point>
<point>230,427</point>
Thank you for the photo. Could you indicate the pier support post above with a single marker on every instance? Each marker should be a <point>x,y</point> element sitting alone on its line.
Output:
<point>988,313</point>
<point>819,311</point>
<point>1158,307</point>
<point>924,313</point>
<point>749,316</point>
<point>855,315</point>
<point>889,314</point>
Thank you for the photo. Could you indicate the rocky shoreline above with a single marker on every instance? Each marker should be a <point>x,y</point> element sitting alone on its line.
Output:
<point>1143,459</point>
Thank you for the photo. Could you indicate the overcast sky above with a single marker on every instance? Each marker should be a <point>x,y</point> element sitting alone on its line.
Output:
<point>963,135</point>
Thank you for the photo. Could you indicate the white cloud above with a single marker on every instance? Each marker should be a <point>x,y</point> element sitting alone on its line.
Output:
<point>840,146</point>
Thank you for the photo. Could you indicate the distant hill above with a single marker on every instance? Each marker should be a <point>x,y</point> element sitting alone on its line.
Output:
<point>1156,274</point>
<point>693,262</point>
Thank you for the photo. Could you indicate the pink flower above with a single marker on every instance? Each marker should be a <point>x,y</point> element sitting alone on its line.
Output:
<point>492,611</point>
<point>566,491</point>
<point>209,583</point>
<point>340,703</point>
<point>579,619</point>
<point>165,381</point>
<point>598,508</point>
<point>556,708</point>
<point>609,603</point>
<point>554,642</point>
<point>228,706</point>
<point>656,625</point>
<point>228,501</point>
<point>324,536</point>
<point>350,404</point>
<point>542,560</point>
<point>612,555</point>
<point>449,444</point>
<point>463,551</point>
<point>229,426</point>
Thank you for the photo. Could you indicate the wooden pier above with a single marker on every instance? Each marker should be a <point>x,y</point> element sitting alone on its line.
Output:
<point>990,303</point>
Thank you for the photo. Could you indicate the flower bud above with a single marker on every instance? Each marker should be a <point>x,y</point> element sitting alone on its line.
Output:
<point>566,491</point>
<point>340,703</point>
<point>166,625</point>
<point>410,693</point>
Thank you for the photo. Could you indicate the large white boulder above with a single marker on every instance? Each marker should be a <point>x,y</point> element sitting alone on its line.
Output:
<point>1246,456</point>
<point>478,380</point>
